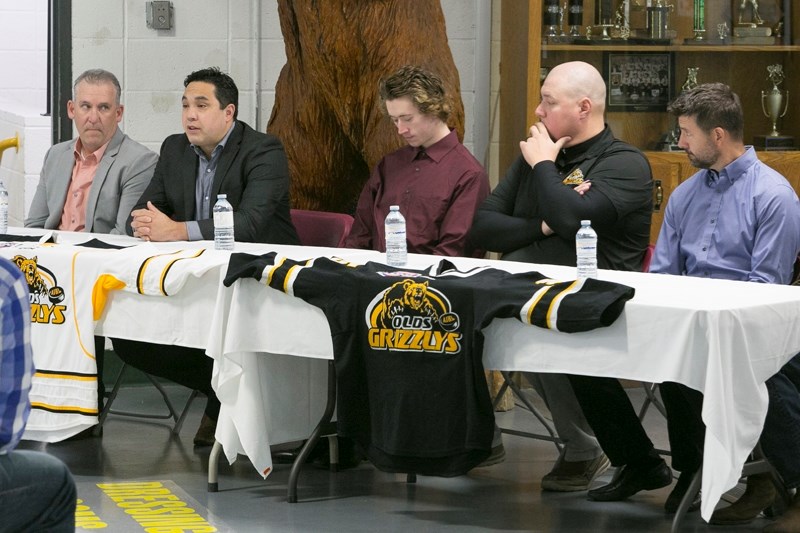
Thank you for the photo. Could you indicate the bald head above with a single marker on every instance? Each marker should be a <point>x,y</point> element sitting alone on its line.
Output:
<point>577,80</point>
<point>573,102</point>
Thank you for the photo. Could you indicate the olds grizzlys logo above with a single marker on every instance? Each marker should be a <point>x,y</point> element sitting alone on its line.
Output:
<point>411,316</point>
<point>45,293</point>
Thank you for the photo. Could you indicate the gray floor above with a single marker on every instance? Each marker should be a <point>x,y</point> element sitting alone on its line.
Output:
<point>504,497</point>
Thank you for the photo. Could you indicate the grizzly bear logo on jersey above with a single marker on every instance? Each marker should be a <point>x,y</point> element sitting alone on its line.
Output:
<point>29,267</point>
<point>45,293</point>
<point>411,315</point>
<point>407,296</point>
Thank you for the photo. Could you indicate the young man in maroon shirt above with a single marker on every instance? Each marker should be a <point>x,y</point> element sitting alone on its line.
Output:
<point>436,182</point>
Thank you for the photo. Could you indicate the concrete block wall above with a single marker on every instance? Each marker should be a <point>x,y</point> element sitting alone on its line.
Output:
<point>23,99</point>
<point>23,52</point>
<point>242,37</point>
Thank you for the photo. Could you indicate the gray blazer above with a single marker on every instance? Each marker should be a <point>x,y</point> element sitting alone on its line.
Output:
<point>121,178</point>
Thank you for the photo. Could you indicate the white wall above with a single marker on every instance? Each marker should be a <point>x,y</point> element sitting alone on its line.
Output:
<point>23,52</point>
<point>23,99</point>
<point>242,37</point>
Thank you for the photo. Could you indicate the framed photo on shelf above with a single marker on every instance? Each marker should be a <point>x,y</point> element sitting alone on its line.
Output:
<point>638,81</point>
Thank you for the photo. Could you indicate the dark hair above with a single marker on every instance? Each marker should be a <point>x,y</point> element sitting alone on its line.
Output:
<point>425,89</point>
<point>224,87</point>
<point>713,105</point>
<point>97,76</point>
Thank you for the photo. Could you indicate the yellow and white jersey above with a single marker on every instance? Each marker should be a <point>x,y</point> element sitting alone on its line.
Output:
<point>69,285</point>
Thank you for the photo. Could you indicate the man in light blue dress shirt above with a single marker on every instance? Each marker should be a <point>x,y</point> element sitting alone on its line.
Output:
<point>734,219</point>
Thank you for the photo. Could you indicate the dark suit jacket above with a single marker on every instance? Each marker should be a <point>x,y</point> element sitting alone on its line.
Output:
<point>252,171</point>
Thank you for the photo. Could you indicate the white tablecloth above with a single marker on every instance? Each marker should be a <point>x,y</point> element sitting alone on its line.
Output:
<point>722,338</point>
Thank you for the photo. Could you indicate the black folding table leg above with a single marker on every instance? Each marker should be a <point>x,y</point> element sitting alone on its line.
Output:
<point>291,495</point>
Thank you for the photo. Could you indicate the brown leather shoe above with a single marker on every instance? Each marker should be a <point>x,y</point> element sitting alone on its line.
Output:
<point>759,494</point>
<point>788,522</point>
<point>205,433</point>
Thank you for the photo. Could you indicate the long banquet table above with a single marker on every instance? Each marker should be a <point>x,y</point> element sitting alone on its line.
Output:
<point>723,338</point>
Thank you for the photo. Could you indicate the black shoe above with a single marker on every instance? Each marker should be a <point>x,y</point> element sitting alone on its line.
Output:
<point>676,496</point>
<point>630,480</point>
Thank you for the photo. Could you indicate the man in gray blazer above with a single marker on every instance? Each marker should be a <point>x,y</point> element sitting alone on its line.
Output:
<point>91,183</point>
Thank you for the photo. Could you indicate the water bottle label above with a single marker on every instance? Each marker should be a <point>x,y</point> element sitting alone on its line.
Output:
<point>223,219</point>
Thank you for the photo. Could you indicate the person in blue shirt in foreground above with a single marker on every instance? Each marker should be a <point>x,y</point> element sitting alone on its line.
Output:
<point>37,492</point>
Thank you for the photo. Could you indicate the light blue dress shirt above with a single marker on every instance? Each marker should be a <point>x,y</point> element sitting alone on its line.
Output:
<point>206,170</point>
<point>742,223</point>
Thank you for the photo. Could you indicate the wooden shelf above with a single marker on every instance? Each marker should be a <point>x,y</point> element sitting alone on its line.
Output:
<point>690,48</point>
<point>526,56</point>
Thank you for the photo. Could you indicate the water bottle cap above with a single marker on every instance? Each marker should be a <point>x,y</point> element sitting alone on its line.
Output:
<point>394,208</point>
<point>222,196</point>
<point>586,222</point>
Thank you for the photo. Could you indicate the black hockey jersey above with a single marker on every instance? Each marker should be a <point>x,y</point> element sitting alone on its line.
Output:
<point>408,347</point>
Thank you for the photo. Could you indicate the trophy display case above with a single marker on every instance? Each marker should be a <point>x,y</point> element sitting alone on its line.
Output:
<point>650,50</point>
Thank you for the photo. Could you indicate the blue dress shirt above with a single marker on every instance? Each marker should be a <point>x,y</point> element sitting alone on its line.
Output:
<point>742,223</point>
<point>206,171</point>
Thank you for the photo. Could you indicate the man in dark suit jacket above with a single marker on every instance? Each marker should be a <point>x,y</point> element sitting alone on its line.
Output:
<point>217,154</point>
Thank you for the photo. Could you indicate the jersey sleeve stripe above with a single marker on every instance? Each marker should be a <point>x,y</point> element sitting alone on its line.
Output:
<point>140,277</point>
<point>552,311</point>
<point>163,280</point>
<point>526,314</point>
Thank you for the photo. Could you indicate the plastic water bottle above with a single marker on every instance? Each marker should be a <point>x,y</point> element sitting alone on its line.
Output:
<point>223,223</point>
<point>395,231</point>
<point>586,249</point>
<point>3,208</point>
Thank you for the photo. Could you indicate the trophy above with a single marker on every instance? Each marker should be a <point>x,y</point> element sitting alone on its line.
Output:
<point>575,17</point>
<point>722,31</point>
<point>691,79</point>
<point>773,100</point>
<point>750,27</point>
<point>774,104</point>
<point>699,19</point>
<point>551,18</point>
<point>604,17</point>
<point>622,25</point>
<point>658,20</point>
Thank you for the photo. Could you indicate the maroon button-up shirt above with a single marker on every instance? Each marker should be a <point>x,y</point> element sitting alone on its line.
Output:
<point>438,189</point>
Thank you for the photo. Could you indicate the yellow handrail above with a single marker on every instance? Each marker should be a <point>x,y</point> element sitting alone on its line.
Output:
<point>11,142</point>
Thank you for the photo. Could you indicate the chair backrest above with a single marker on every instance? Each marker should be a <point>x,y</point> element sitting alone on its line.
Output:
<point>648,256</point>
<point>321,228</point>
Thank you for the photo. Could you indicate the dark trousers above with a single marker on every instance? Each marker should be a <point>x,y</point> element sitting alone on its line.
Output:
<point>189,367</point>
<point>612,418</point>
<point>780,439</point>
<point>616,424</point>
<point>622,437</point>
